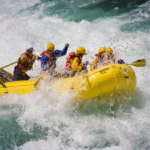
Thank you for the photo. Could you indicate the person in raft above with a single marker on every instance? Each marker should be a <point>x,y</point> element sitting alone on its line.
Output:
<point>110,56</point>
<point>74,61</point>
<point>98,59</point>
<point>25,63</point>
<point>50,55</point>
<point>104,57</point>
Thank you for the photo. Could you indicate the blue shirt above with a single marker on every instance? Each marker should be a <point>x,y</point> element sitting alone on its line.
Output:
<point>45,60</point>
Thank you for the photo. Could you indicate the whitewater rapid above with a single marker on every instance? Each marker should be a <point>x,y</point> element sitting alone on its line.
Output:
<point>46,119</point>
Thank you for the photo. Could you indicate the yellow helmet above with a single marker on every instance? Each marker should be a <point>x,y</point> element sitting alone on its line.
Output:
<point>109,50</point>
<point>50,46</point>
<point>80,50</point>
<point>102,49</point>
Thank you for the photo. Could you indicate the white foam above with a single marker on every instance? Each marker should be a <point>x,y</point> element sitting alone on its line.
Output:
<point>68,126</point>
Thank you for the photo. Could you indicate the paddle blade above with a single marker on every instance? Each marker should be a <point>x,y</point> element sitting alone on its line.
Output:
<point>139,63</point>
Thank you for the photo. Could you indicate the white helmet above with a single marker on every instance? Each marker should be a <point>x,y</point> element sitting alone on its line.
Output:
<point>29,48</point>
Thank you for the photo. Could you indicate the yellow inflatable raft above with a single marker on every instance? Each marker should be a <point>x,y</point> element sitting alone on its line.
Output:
<point>7,85</point>
<point>106,80</point>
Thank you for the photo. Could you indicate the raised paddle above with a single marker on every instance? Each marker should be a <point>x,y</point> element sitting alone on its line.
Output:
<point>8,65</point>
<point>139,63</point>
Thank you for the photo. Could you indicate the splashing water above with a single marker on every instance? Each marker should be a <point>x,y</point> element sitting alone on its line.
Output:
<point>46,119</point>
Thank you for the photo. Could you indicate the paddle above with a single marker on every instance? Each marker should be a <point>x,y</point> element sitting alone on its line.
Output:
<point>8,65</point>
<point>41,77</point>
<point>139,63</point>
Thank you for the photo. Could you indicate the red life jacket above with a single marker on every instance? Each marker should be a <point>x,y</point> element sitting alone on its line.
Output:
<point>28,64</point>
<point>68,63</point>
<point>51,56</point>
<point>99,57</point>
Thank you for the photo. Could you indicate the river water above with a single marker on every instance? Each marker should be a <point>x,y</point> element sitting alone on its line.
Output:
<point>48,120</point>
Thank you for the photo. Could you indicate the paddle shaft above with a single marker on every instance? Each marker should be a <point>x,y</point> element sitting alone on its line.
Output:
<point>9,64</point>
<point>56,59</point>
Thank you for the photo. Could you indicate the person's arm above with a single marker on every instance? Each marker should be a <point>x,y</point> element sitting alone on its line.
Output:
<point>93,65</point>
<point>22,59</point>
<point>44,60</point>
<point>101,60</point>
<point>75,65</point>
<point>36,57</point>
<point>63,52</point>
<point>44,63</point>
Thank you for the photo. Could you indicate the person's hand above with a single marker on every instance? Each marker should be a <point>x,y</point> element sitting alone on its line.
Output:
<point>67,45</point>
<point>39,58</point>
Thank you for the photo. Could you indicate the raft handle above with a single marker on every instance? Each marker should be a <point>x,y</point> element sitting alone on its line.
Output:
<point>126,77</point>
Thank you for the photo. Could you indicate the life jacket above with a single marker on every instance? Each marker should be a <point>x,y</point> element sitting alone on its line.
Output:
<point>68,63</point>
<point>51,56</point>
<point>28,64</point>
<point>99,57</point>
<point>105,57</point>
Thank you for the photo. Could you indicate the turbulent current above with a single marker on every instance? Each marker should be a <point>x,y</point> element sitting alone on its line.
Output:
<point>48,120</point>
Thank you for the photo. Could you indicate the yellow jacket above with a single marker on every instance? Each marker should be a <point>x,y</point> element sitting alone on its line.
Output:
<point>23,59</point>
<point>75,64</point>
<point>94,64</point>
